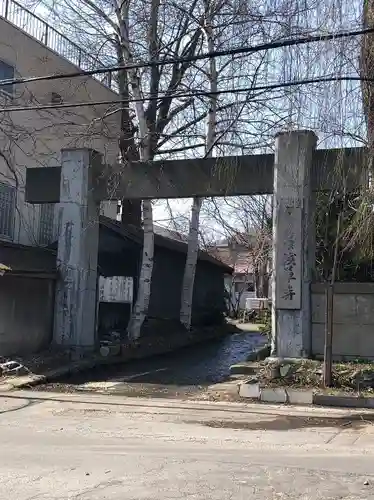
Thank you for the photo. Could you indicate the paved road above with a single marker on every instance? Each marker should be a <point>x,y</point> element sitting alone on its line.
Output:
<point>94,447</point>
<point>181,373</point>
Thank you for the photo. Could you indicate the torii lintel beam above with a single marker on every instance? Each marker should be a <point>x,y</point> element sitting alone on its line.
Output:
<point>223,176</point>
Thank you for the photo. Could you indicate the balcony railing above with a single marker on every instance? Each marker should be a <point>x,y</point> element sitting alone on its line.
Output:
<point>34,26</point>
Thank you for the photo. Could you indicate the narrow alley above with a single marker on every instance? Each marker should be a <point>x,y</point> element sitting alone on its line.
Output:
<point>180,373</point>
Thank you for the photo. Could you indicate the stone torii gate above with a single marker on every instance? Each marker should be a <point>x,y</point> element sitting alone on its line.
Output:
<point>293,174</point>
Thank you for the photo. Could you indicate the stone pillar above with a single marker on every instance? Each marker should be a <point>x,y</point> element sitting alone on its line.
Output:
<point>293,245</point>
<point>78,240</point>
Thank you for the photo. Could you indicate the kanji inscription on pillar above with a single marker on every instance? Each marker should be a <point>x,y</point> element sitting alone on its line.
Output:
<point>289,258</point>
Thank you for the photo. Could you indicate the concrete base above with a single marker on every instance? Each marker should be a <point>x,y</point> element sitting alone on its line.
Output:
<point>343,401</point>
<point>281,361</point>
<point>273,395</point>
<point>251,391</point>
<point>299,397</point>
<point>276,394</point>
<point>246,368</point>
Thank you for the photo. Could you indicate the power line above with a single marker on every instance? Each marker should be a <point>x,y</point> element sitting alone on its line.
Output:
<point>260,88</point>
<point>219,53</point>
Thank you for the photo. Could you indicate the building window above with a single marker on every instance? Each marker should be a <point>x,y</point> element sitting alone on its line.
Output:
<point>7,209</point>
<point>46,224</point>
<point>6,73</point>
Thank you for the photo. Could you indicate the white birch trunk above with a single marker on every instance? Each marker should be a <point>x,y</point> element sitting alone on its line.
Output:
<point>190,267</point>
<point>140,308</point>
<point>193,236</point>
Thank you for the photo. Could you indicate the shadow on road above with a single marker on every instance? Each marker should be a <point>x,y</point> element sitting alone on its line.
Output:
<point>286,423</point>
<point>27,404</point>
<point>276,421</point>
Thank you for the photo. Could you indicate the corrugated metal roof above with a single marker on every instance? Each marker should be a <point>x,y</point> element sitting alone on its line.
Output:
<point>136,234</point>
<point>27,259</point>
<point>22,258</point>
<point>169,233</point>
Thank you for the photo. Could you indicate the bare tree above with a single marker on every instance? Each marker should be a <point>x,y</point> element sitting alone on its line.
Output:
<point>245,221</point>
<point>193,238</point>
<point>134,31</point>
<point>139,30</point>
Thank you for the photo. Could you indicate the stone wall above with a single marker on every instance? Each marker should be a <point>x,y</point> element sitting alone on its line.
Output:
<point>353,330</point>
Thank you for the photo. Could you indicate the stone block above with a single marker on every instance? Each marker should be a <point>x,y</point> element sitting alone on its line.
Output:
<point>246,368</point>
<point>365,309</point>
<point>353,340</point>
<point>10,365</point>
<point>259,354</point>
<point>284,370</point>
<point>318,338</point>
<point>249,391</point>
<point>273,395</point>
<point>13,369</point>
<point>349,341</point>
<point>318,308</point>
<point>299,397</point>
<point>345,309</point>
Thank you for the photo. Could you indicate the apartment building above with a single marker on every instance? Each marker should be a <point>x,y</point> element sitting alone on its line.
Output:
<point>32,138</point>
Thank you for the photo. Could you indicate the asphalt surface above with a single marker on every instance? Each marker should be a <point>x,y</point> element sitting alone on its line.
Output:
<point>182,373</point>
<point>94,447</point>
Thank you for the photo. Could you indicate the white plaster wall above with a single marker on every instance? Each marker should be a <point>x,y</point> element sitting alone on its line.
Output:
<point>35,138</point>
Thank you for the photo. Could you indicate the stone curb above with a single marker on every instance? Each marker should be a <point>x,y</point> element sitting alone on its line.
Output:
<point>246,368</point>
<point>343,401</point>
<point>249,367</point>
<point>31,380</point>
<point>259,355</point>
<point>301,397</point>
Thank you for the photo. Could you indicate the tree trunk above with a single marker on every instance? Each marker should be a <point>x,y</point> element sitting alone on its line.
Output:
<point>145,154</point>
<point>140,309</point>
<point>131,209</point>
<point>131,212</point>
<point>193,237</point>
<point>261,280</point>
<point>190,267</point>
<point>367,71</point>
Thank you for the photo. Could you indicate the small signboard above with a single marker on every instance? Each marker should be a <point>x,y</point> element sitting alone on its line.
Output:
<point>118,289</point>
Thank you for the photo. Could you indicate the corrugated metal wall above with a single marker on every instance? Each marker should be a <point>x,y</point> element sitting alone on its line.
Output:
<point>26,314</point>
